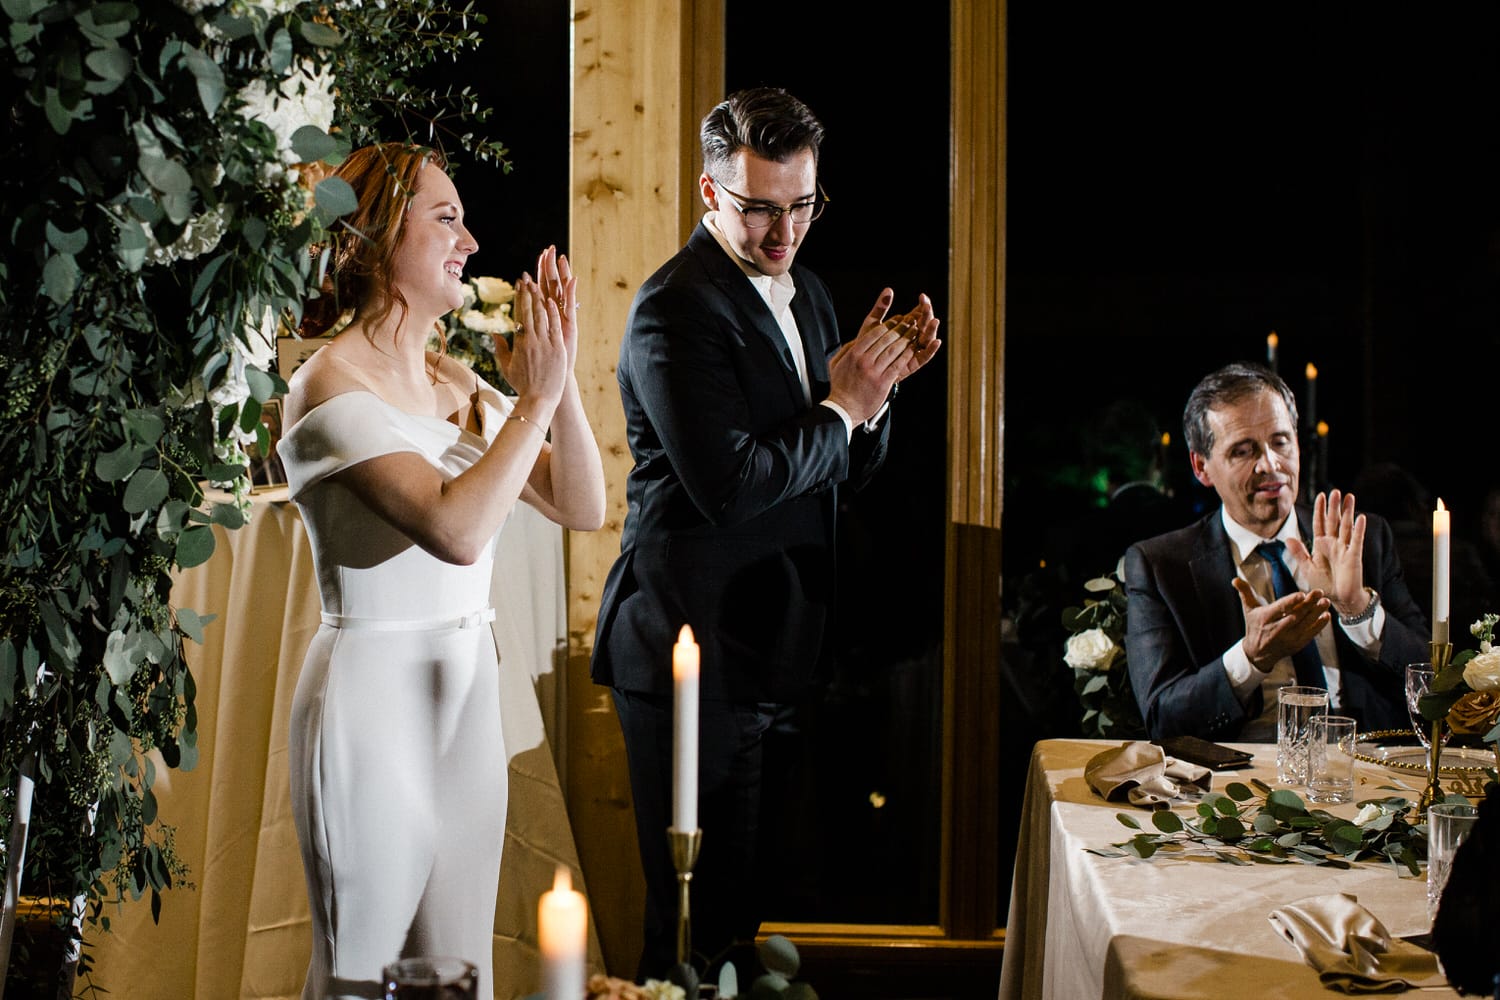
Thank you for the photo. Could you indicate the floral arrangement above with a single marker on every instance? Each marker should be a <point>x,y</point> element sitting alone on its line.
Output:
<point>159,215</point>
<point>602,987</point>
<point>1096,654</point>
<point>1235,828</point>
<point>468,333</point>
<point>1466,693</point>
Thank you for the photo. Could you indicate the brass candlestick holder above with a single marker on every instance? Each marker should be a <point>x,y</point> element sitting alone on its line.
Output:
<point>1442,653</point>
<point>684,844</point>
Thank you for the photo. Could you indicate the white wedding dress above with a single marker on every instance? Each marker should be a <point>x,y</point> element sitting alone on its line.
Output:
<point>398,769</point>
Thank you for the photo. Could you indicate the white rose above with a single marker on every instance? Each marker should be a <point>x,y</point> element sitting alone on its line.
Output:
<point>494,291</point>
<point>1483,672</point>
<point>1099,584</point>
<point>482,322</point>
<point>1091,650</point>
<point>1367,812</point>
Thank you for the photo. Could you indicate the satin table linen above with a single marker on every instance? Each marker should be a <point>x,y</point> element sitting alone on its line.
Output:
<point>1084,927</point>
<point>243,931</point>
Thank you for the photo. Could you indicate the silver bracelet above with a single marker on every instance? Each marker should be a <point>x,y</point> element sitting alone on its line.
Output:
<point>1367,613</point>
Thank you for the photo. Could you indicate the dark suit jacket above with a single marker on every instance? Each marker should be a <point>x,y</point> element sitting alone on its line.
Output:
<point>1184,614</point>
<point>732,499</point>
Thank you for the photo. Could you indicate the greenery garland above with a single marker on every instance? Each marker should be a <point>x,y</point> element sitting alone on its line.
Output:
<point>163,184</point>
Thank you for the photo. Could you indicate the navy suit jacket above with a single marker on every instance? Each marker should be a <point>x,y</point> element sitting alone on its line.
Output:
<point>733,494</point>
<point>1184,614</point>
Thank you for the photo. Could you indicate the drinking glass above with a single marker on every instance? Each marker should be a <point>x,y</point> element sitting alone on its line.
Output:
<point>1448,823</point>
<point>431,977</point>
<point>1330,758</point>
<point>1295,707</point>
<point>1418,683</point>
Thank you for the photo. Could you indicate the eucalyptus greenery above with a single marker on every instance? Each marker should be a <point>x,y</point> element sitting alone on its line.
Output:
<point>161,196</point>
<point>1095,652</point>
<point>1238,828</point>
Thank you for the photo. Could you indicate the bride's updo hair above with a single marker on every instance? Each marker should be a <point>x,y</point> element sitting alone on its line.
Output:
<point>363,243</point>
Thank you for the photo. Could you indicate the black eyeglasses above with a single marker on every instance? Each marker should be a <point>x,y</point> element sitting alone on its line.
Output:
<point>759,215</point>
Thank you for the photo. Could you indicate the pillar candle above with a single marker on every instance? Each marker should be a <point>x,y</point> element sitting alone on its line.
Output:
<point>1323,476</point>
<point>685,732</point>
<point>562,928</point>
<point>1440,563</point>
<point>1272,341</point>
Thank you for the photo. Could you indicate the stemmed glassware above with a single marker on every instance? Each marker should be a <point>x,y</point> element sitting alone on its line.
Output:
<point>1419,682</point>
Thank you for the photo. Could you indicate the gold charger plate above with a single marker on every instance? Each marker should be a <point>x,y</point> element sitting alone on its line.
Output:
<point>1399,750</point>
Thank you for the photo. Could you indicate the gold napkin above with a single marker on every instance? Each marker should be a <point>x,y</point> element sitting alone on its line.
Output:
<point>1351,948</point>
<point>1138,772</point>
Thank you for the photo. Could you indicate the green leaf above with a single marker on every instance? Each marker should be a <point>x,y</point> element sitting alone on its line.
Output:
<point>281,52</point>
<point>60,277</point>
<point>1166,821</point>
<point>192,623</point>
<point>117,660</point>
<point>262,387</point>
<point>113,63</point>
<point>312,144</point>
<point>321,34</point>
<point>113,466</point>
<point>209,76</point>
<point>1239,791</point>
<point>194,546</point>
<point>228,515</point>
<point>71,242</point>
<point>145,427</point>
<point>200,287</point>
<point>165,175</point>
<point>250,414</point>
<point>146,489</point>
<point>1128,820</point>
<point>1142,846</point>
<point>335,197</point>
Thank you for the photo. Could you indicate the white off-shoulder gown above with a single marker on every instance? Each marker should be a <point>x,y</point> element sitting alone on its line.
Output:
<point>398,769</point>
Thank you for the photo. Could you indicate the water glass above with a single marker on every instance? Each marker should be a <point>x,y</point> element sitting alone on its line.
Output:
<point>1330,758</point>
<point>431,977</point>
<point>1448,823</point>
<point>1295,707</point>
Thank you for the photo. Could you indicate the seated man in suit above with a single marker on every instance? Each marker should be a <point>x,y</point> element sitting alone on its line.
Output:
<point>1218,620</point>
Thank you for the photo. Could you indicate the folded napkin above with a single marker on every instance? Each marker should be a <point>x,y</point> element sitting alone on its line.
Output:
<point>1138,772</point>
<point>1351,948</point>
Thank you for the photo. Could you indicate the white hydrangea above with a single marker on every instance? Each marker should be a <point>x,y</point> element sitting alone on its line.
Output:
<point>201,234</point>
<point>305,97</point>
<point>196,6</point>
<point>494,291</point>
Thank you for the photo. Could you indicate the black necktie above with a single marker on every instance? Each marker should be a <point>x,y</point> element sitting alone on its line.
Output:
<point>1308,663</point>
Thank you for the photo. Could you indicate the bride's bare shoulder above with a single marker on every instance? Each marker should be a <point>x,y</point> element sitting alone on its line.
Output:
<point>329,371</point>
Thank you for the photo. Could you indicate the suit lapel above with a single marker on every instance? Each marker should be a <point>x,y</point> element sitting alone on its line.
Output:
<point>754,313</point>
<point>812,343</point>
<point>1213,569</point>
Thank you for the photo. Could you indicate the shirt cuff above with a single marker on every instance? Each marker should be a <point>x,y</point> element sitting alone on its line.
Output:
<point>1367,634</point>
<point>873,424</point>
<point>1243,677</point>
<point>844,416</point>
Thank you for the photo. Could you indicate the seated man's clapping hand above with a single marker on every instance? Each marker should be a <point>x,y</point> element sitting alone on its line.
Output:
<point>1336,563</point>
<point>1279,629</point>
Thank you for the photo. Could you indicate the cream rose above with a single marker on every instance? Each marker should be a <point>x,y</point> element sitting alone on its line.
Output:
<point>1091,650</point>
<point>494,291</point>
<point>1483,672</point>
<point>1368,812</point>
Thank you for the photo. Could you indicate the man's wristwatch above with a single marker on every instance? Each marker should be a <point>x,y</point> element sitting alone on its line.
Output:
<point>1367,613</point>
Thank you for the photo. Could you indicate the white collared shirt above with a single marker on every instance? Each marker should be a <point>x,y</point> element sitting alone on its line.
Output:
<point>778,291</point>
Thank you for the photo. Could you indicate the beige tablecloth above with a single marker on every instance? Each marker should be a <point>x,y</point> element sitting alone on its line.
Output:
<point>243,931</point>
<point>1084,927</point>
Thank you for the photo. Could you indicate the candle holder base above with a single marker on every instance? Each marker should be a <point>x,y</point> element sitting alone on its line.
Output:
<point>1442,654</point>
<point>684,845</point>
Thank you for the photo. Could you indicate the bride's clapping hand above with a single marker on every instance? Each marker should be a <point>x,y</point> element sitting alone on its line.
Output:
<point>538,359</point>
<point>558,284</point>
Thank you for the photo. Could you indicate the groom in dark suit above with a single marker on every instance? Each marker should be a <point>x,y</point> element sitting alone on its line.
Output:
<point>744,415</point>
<point>1219,620</point>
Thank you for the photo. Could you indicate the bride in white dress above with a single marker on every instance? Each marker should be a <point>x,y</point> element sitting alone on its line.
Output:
<point>404,466</point>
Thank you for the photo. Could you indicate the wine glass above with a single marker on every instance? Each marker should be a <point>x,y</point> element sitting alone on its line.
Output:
<point>1419,682</point>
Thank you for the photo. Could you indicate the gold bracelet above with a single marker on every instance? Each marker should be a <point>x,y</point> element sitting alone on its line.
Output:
<point>528,422</point>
